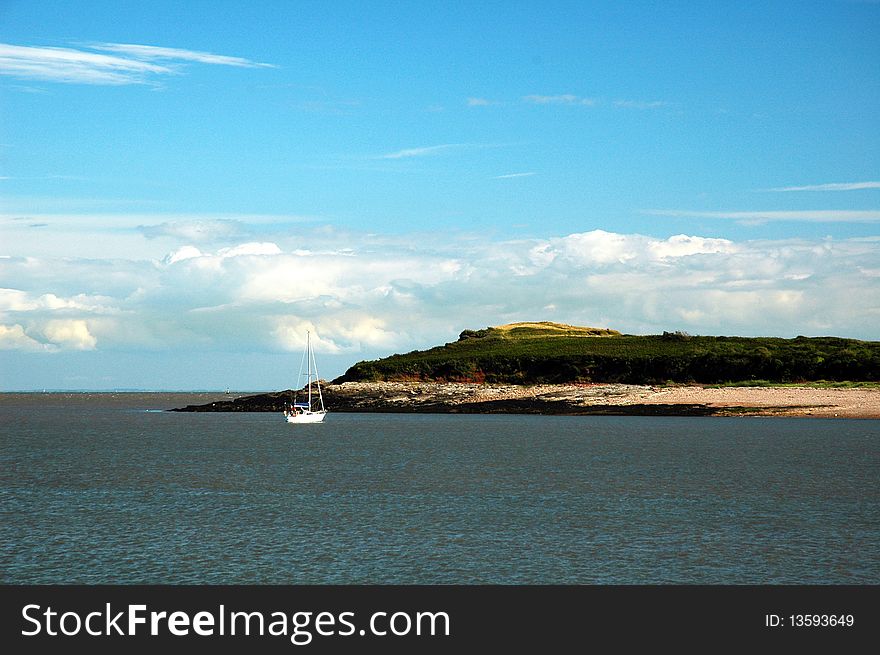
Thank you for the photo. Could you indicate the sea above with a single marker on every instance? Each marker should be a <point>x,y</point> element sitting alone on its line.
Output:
<point>112,488</point>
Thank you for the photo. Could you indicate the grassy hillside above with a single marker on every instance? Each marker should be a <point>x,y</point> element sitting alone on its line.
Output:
<point>531,353</point>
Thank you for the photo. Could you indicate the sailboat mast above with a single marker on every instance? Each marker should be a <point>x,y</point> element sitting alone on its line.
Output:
<point>318,381</point>
<point>309,365</point>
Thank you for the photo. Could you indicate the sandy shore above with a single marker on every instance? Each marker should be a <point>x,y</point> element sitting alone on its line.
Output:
<point>789,401</point>
<point>765,401</point>
<point>588,399</point>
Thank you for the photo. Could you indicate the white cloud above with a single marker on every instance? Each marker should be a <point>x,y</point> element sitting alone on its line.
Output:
<point>152,236</point>
<point>571,99</point>
<point>682,245</point>
<point>74,66</point>
<point>195,230</point>
<point>13,337</point>
<point>509,176</point>
<point>640,104</point>
<point>134,64</point>
<point>182,254</point>
<point>70,334</point>
<point>421,152</point>
<point>368,294</point>
<point>351,332</point>
<point>812,216</point>
<point>155,52</point>
<point>840,186</point>
<point>563,99</point>
<point>599,248</point>
<point>250,249</point>
<point>290,333</point>
<point>15,300</point>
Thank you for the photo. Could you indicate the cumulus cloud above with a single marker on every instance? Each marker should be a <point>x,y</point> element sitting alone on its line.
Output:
<point>596,248</point>
<point>250,249</point>
<point>181,254</point>
<point>601,248</point>
<point>13,337</point>
<point>17,301</point>
<point>682,245</point>
<point>370,295</point>
<point>351,332</point>
<point>70,333</point>
<point>195,230</point>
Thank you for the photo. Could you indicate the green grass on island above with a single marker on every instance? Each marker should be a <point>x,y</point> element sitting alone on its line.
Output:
<point>552,353</point>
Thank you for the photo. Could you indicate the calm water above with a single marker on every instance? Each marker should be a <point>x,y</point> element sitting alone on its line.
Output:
<point>97,489</point>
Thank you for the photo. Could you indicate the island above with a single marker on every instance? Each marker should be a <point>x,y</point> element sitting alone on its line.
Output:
<point>552,368</point>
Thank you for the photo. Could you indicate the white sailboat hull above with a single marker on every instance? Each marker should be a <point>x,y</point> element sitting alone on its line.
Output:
<point>306,417</point>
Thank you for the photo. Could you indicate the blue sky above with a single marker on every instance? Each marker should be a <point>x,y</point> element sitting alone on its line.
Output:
<point>187,187</point>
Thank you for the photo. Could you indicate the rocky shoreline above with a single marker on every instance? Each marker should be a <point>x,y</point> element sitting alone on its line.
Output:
<point>571,399</point>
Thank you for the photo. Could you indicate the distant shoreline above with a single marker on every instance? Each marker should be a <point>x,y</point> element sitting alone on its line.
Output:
<point>574,399</point>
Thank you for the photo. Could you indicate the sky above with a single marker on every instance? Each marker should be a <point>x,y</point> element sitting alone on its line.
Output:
<point>186,189</point>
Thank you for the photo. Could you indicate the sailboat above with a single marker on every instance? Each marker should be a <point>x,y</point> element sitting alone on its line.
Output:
<point>299,412</point>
